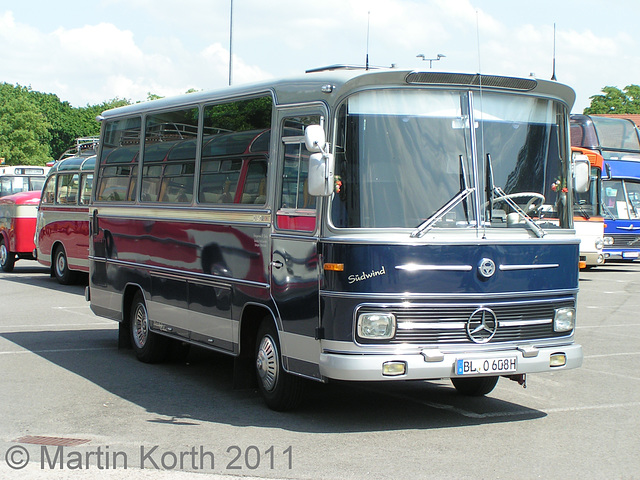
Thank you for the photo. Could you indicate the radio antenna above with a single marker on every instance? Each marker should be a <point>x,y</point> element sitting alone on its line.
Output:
<point>553,77</point>
<point>366,64</point>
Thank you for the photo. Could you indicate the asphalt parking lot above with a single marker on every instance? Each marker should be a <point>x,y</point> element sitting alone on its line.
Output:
<point>74,406</point>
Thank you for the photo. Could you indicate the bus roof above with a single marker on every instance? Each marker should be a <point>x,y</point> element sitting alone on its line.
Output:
<point>82,163</point>
<point>330,86</point>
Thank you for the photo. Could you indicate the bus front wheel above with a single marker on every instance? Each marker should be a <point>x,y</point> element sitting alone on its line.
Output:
<point>475,387</point>
<point>7,258</point>
<point>150,347</point>
<point>280,390</point>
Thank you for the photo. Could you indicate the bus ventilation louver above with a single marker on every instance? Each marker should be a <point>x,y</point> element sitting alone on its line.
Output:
<point>437,78</point>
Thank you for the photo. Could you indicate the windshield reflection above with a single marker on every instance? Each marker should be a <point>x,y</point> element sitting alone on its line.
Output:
<point>402,156</point>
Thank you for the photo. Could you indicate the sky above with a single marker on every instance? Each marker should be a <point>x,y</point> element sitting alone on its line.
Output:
<point>91,51</point>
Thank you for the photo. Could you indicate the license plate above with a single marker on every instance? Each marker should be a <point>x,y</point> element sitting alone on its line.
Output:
<point>478,366</point>
<point>629,254</point>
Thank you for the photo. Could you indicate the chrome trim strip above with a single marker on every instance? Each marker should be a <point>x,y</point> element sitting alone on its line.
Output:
<point>445,238</point>
<point>508,268</point>
<point>417,326</point>
<point>524,323</point>
<point>351,348</point>
<point>203,278</point>
<point>414,267</point>
<point>186,213</point>
<point>456,296</point>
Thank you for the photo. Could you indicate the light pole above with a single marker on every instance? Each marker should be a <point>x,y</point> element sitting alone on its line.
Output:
<point>230,42</point>
<point>430,60</point>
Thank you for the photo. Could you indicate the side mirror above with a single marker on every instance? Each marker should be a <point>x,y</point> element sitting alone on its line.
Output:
<point>321,179</point>
<point>314,138</point>
<point>581,173</point>
<point>321,163</point>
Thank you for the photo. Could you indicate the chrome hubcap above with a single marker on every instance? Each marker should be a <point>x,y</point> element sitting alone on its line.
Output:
<point>140,326</point>
<point>61,264</point>
<point>267,363</point>
<point>3,254</point>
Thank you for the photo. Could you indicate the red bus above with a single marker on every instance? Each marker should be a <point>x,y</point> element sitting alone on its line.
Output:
<point>17,227</point>
<point>62,231</point>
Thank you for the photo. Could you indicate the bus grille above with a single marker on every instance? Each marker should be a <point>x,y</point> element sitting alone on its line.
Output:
<point>439,324</point>
<point>625,240</point>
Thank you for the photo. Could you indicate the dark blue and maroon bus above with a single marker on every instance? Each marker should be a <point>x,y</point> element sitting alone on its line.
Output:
<point>359,225</point>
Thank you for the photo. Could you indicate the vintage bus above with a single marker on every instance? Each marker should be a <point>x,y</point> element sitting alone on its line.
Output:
<point>361,225</point>
<point>21,178</point>
<point>617,140</point>
<point>62,230</point>
<point>588,219</point>
<point>17,227</point>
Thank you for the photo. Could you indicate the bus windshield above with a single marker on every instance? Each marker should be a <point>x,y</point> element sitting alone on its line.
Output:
<point>403,155</point>
<point>621,199</point>
<point>16,184</point>
<point>616,134</point>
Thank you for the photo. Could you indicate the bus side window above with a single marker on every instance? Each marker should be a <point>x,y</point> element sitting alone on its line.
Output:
<point>67,189</point>
<point>254,189</point>
<point>297,209</point>
<point>87,183</point>
<point>48,194</point>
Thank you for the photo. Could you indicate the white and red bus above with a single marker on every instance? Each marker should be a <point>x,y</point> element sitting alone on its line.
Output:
<point>17,227</point>
<point>62,231</point>
<point>21,178</point>
<point>588,220</point>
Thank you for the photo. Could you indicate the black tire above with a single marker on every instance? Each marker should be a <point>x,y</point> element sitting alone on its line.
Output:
<point>149,346</point>
<point>281,390</point>
<point>7,258</point>
<point>475,387</point>
<point>60,266</point>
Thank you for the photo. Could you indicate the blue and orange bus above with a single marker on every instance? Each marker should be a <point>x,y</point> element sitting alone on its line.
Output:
<point>345,225</point>
<point>617,140</point>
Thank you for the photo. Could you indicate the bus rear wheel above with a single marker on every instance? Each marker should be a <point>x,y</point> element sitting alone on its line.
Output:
<point>281,390</point>
<point>149,346</point>
<point>475,387</point>
<point>61,267</point>
<point>7,258</point>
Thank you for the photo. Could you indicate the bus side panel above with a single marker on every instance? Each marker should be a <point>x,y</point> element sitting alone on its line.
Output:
<point>195,273</point>
<point>70,226</point>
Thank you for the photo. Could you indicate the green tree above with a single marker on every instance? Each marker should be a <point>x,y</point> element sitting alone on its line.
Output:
<point>615,100</point>
<point>24,130</point>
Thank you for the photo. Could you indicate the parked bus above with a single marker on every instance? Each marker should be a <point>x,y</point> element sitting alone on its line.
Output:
<point>588,219</point>
<point>616,139</point>
<point>17,227</point>
<point>349,225</point>
<point>62,230</point>
<point>21,178</point>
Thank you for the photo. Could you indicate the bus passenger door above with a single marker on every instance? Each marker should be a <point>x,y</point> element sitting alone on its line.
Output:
<point>294,256</point>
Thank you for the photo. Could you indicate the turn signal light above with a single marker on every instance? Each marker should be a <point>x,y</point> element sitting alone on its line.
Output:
<point>334,267</point>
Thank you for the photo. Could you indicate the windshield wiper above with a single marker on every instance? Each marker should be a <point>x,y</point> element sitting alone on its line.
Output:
<point>501,195</point>
<point>446,208</point>
<point>489,187</point>
<point>582,211</point>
